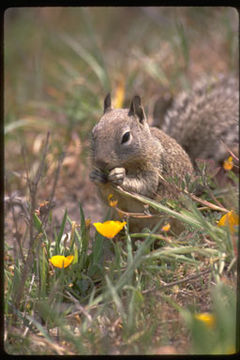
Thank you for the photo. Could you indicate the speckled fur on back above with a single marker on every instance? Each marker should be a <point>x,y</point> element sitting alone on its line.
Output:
<point>200,119</point>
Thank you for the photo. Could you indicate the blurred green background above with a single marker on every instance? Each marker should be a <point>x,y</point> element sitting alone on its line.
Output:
<point>70,57</point>
<point>59,63</point>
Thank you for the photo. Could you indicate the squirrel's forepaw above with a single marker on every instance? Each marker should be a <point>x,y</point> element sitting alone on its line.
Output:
<point>98,176</point>
<point>117,175</point>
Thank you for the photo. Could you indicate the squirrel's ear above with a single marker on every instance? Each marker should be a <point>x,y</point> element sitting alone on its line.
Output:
<point>107,103</point>
<point>136,108</point>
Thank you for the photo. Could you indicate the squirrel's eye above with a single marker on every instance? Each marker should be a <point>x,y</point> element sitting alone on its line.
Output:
<point>125,137</point>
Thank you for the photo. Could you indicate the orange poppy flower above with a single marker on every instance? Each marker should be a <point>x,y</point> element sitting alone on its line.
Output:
<point>61,261</point>
<point>207,318</point>
<point>166,227</point>
<point>228,164</point>
<point>230,219</point>
<point>109,228</point>
<point>111,202</point>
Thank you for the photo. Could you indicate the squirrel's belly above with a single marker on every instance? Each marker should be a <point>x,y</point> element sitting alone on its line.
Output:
<point>143,218</point>
<point>124,203</point>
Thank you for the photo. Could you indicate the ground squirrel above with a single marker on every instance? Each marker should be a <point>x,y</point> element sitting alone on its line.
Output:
<point>126,151</point>
<point>129,153</point>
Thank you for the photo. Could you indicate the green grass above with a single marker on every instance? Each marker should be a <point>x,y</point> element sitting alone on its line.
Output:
<point>82,302</point>
<point>137,293</point>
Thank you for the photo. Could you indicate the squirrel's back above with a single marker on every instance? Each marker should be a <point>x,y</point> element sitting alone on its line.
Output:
<point>205,121</point>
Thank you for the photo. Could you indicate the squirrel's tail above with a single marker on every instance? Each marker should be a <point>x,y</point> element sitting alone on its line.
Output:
<point>205,120</point>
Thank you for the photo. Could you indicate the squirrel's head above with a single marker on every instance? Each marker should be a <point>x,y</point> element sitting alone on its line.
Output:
<point>120,138</point>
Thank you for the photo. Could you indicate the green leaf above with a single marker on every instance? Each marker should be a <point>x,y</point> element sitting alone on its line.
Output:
<point>37,223</point>
<point>33,122</point>
<point>84,240</point>
<point>75,259</point>
<point>43,273</point>
<point>90,60</point>
<point>129,245</point>
<point>115,297</point>
<point>60,234</point>
<point>95,265</point>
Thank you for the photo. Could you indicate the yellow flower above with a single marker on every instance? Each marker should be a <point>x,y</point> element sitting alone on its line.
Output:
<point>119,95</point>
<point>61,261</point>
<point>166,227</point>
<point>228,164</point>
<point>207,318</point>
<point>87,222</point>
<point>230,219</point>
<point>111,202</point>
<point>109,228</point>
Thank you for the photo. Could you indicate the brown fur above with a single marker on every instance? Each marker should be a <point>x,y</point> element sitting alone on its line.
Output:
<point>139,163</point>
<point>206,117</point>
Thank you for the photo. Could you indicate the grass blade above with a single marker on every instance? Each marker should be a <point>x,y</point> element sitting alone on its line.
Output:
<point>84,240</point>
<point>115,297</point>
<point>60,234</point>
<point>90,60</point>
<point>43,273</point>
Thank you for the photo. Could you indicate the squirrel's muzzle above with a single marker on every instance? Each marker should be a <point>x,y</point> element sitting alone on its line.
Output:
<point>101,164</point>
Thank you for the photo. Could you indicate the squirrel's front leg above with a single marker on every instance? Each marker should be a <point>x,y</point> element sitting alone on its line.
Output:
<point>117,175</point>
<point>98,176</point>
<point>135,184</point>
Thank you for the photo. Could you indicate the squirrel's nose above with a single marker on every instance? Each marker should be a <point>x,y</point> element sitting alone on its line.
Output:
<point>101,164</point>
